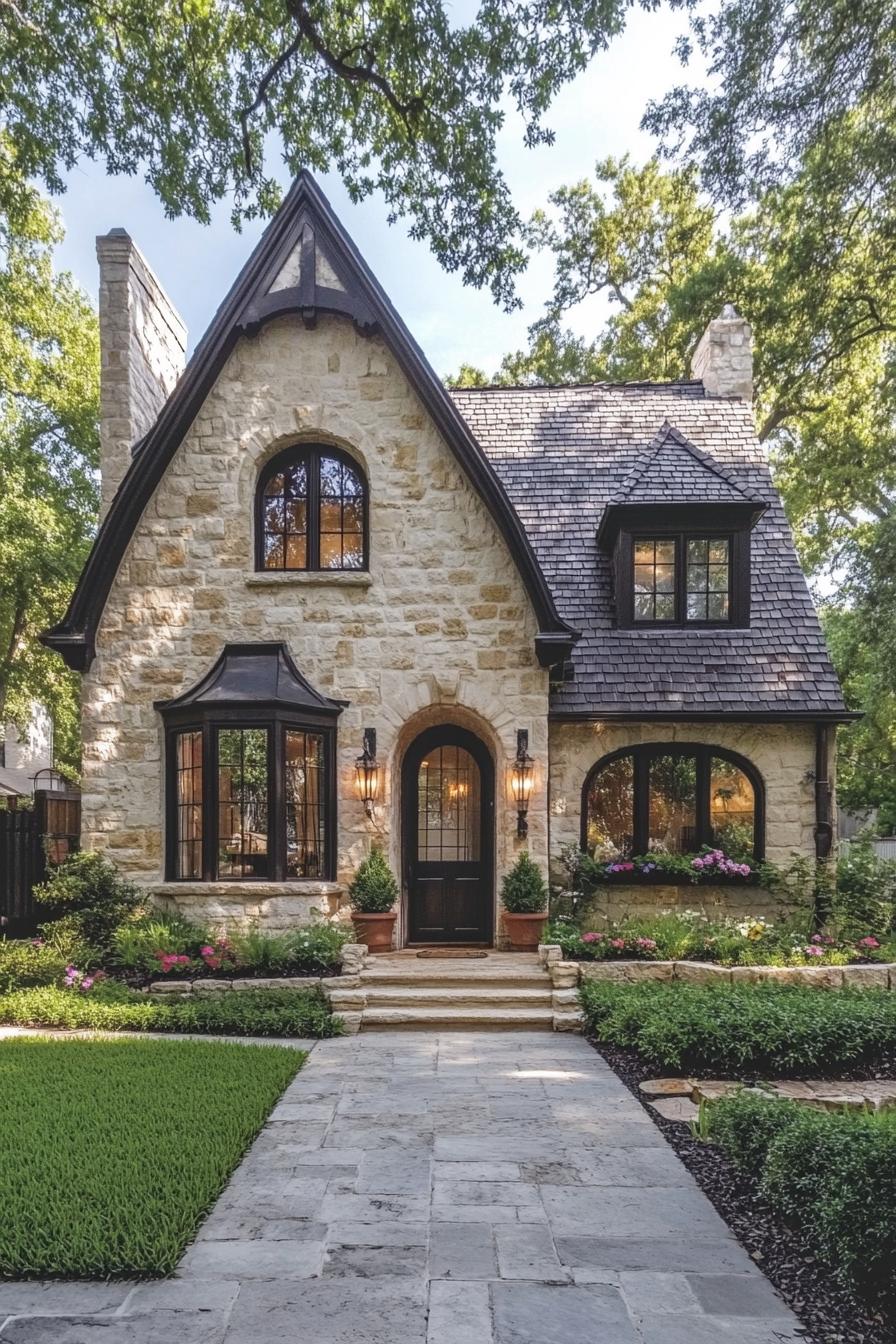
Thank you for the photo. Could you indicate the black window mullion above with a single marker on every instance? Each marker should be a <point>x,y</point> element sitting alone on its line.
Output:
<point>641,833</point>
<point>704,825</point>
<point>314,510</point>
<point>680,580</point>
<point>209,804</point>
<point>277,800</point>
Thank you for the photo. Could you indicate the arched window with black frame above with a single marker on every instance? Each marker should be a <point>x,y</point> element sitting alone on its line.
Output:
<point>251,772</point>
<point>673,798</point>
<point>311,511</point>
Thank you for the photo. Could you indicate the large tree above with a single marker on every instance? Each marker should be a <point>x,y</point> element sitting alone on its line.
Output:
<point>396,95</point>
<point>49,371</point>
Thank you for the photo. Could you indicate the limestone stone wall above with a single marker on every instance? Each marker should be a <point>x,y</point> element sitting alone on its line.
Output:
<point>783,754</point>
<point>440,630</point>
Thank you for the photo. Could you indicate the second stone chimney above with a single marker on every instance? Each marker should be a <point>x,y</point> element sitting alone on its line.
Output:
<point>143,343</point>
<point>723,360</point>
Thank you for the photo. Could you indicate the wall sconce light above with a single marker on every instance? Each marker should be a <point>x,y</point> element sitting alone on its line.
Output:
<point>521,780</point>
<point>367,772</point>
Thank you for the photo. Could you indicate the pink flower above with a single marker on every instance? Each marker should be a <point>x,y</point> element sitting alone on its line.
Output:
<point>617,942</point>
<point>591,937</point>
<point>868,942</point>
<point>814,950</point>
<point>648,944</point>
<point>697,863</point>
<point>207,951</point>
<point>816,938</point>
<point>87,982</point>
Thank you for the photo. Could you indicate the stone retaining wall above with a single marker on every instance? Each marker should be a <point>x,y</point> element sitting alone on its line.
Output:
<point>343,991</point>
<point>635,900</point>
<point>569,974</point>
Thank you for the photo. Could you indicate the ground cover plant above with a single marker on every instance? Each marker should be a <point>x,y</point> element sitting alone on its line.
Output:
<point>830,1176</point>
<point>105,1006</point>
<point>121,1147</point>
<point>774,1031</point>
<point>29,961</point>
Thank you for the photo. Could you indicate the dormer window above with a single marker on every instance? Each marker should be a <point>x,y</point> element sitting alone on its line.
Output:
<point>680,579</point>
<point>678,531</point>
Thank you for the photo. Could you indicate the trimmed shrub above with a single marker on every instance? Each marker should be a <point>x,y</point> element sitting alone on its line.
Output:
<point>772,1030</point>
<point>832,1176</point>
<point>373,890</point>
<point>91,900</point>
<point>746,1125</point>
<point>260,1012</point>
<point>524,890</point>
<point>25,963</point>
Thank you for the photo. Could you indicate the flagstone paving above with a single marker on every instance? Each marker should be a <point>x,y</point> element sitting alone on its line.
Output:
<point>479,1188</point>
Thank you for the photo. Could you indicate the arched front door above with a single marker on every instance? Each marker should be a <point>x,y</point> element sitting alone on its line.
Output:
<point>448,787</point>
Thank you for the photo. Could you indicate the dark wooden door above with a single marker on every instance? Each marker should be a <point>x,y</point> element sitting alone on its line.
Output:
<point>449,806</point>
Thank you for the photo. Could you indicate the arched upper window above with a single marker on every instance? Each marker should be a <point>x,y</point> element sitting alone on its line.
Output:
<point>311,511</point>
<point>673,798</point>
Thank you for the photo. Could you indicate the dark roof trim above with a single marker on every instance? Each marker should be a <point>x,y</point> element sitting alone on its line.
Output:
<point>254,675</point>
<point>305,217</point>
<point>617,518</point>
<point>703,716</point>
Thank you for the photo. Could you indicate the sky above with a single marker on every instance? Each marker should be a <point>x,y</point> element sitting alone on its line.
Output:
<point>595,116</point>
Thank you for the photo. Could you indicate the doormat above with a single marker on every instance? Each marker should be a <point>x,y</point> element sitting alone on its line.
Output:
<point>450,952</point>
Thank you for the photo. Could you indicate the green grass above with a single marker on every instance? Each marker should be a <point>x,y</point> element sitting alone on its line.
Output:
<point>114,1150</point>
<point>110,1007</point>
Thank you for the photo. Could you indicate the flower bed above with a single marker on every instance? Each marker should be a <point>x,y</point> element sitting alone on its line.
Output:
<point>692,936</point>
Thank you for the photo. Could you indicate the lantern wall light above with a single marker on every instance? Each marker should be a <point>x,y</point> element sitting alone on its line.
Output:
<point>522,778</point>
<point>367,772</point>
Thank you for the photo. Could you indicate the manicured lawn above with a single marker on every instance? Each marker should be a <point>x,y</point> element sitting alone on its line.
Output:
<point>113,1151</point>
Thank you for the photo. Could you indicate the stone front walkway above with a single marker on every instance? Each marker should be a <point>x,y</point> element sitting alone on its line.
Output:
<point>481,1188</point>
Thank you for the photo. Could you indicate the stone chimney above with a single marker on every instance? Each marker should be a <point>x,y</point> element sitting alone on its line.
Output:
<point>143,344</point>
<point>723,359</point>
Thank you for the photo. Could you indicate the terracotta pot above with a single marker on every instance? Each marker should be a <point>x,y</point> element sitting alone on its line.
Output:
<point>524,931</point>
<point>375,930</point>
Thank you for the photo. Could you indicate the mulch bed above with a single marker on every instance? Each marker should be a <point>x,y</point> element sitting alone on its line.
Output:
<point>830,1314</point>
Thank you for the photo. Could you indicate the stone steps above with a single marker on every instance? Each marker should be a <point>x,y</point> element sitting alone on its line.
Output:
<point>419,1017</point>
<point>460,996</point>
<point>498,992</point>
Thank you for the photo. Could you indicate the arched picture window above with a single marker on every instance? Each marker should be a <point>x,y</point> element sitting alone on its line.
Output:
<point>311,511</point>
<point>673,798</point>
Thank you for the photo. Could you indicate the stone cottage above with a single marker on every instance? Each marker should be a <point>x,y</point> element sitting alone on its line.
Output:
<point>333,604</point>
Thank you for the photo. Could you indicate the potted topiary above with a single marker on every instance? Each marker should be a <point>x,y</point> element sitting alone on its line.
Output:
<point>373,891</point>
<point>524,895</point>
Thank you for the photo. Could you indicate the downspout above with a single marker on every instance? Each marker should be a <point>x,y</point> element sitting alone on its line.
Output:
<point>824,830</point>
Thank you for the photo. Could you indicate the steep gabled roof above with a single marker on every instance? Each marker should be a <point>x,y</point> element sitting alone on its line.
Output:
<point>305,264</point>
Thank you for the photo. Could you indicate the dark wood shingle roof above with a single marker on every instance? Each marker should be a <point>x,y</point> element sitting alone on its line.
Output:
<point>564,454</point>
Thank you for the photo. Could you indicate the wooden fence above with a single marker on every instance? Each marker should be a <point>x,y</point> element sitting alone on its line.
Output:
<point>31,842</point>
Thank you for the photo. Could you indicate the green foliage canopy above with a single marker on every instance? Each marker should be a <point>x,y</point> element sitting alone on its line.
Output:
<point>49,394</point>
<point>394,95</point>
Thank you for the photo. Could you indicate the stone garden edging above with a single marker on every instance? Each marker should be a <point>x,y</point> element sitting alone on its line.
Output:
<point>344,991</point>
<point>568,975</point>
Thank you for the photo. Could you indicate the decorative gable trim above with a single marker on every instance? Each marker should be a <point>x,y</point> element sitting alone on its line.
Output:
<point>305,264</point>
